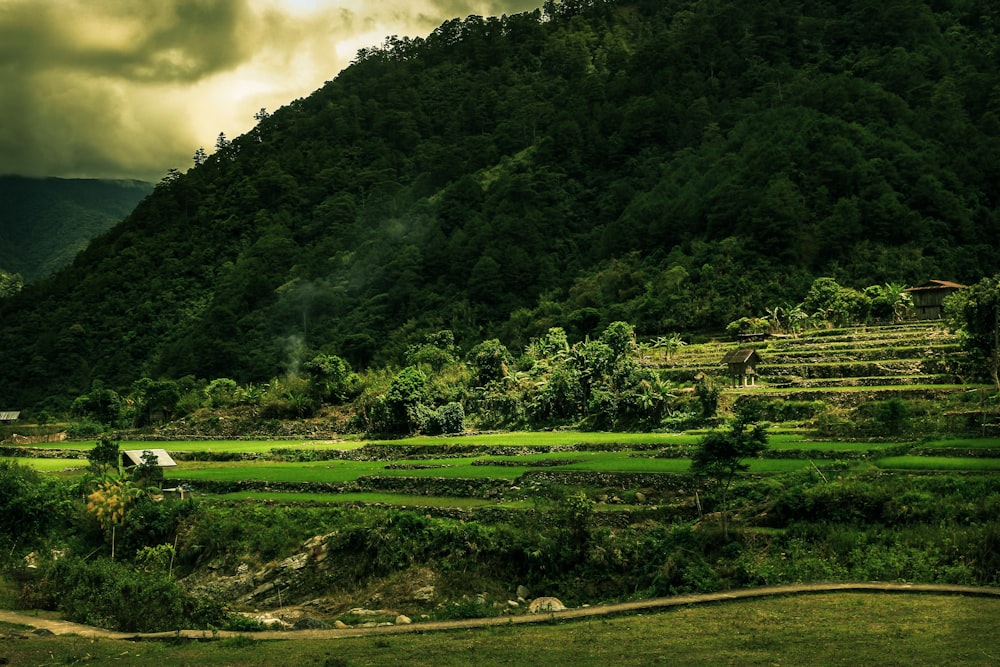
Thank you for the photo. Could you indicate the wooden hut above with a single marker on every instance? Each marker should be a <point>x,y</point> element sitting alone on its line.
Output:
<point>133,458</point>
<point>742,365</point>
<point>928,298</point>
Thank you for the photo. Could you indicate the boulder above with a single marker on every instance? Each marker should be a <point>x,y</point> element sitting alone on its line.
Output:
<point>310,623</point>
<point>545,605</point>
<point>403,620</point>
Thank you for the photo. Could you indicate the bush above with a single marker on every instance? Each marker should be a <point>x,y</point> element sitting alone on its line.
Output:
<point>30,506</point>
<point>112,595</point>
<point>449,418</point>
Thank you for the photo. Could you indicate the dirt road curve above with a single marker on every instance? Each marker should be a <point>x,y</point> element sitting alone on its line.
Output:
<point>65,627</point>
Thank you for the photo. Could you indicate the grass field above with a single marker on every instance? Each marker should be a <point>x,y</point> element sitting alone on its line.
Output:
<point>939,463</point>
<point>833,629</point>
<point>396,499</point>
<point>456,468</point>
<point>598,459</point>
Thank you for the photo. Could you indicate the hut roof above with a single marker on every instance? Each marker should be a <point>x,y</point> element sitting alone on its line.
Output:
<point>134,456</point>
<point>9,415</point>
<point>935,284</point>
<point>744,356</point>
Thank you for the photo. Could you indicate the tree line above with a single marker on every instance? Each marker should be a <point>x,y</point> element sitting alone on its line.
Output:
<point>675,165</point>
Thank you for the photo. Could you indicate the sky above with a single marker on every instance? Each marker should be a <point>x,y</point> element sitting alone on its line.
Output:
<point>131,88</point>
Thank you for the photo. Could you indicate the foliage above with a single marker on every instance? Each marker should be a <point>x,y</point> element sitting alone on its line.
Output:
<point>332,379</point>
<point>10,284</point>
<point>148,472</point>
<point>722,454</point>
<point>120,597</point>
<point>31,505</point>
<point>104,457</point>
<point>110,502</point>
<point>975,313</point>
<point>103,406</point>
<point>646,162</point>
<point>46,222</point>
<point>707,390</point>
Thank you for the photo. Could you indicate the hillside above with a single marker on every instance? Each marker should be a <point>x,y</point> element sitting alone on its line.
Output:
<point>44,223</point>
<point>674,164</point>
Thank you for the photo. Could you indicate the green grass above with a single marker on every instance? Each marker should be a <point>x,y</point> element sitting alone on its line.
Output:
<point>248,446</point>
<point>399,499</point>
<point>964,443</point>
<point>939,463</point>
<point>549,439</point>
<point>50,465</point>
<point>827,630</point>
<point>452,468</point>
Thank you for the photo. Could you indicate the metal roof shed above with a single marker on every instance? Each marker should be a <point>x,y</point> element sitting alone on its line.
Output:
<point>133,457</point>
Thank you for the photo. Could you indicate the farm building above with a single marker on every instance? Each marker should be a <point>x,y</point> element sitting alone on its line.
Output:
<point>133,458</point>
<point>742,366</point>
<point>928,298</point>
<point>9,415</point>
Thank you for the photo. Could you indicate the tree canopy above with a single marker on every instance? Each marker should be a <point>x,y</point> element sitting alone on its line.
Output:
<point>673,164</point>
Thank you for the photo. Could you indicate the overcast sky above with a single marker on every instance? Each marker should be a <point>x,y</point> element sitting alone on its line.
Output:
<point>131,88</point>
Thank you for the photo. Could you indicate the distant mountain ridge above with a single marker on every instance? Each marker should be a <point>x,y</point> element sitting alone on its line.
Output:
<point>45,222</point>
<point>676,164</point>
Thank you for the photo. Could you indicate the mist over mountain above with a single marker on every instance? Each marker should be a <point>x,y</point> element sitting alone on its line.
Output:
<point>45,222</point>
<point>675,164</point>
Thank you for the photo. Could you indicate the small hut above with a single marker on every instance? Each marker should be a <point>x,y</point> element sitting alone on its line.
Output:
<point>132,462</point>
<point>742,366</point>
<point>9,415</point>
<point>133,458</point>
<point>928,298</point>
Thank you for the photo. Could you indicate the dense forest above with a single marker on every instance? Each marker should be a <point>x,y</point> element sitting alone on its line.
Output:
<point>45,222</point>
<point>676,164</point>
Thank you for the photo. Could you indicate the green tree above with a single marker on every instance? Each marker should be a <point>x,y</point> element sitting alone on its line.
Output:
<point>403,401</point>
<point>722,454</point>
<point>974,313</point>
<point>103,457</point>
<point>102,405</point>
<point>148,472</point>
<point>490,361</point>
<point>331,378</point>
<point>707,391</point>
<point>10,284</point>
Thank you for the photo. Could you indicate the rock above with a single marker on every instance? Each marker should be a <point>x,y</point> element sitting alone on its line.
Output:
<point>273,623</point>
<point>523,592</point>
<point>310,623</point>
<point>544,605</point>
<point>340,625</point>
<point>640,497</point>
<point>263,588</point>
<point>403,620</point>
<point>513,604</point>
<point>42,632</point>
<point>423,594</point>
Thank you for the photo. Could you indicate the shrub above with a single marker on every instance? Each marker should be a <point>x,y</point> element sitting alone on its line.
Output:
<point>113,595</point>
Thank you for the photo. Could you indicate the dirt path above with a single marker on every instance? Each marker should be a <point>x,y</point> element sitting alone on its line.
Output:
<point>67,628</point>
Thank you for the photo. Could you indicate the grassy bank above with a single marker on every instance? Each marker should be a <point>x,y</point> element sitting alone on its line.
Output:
<point>841,629</point>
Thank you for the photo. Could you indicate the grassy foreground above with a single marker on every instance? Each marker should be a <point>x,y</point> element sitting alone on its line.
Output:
<point>830,629</point>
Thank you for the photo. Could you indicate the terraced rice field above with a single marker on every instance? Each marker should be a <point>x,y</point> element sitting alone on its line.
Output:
<point>914,362</point>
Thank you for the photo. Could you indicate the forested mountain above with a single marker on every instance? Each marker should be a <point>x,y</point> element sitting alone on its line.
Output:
<point>675,164</point>
<point>44,222</point>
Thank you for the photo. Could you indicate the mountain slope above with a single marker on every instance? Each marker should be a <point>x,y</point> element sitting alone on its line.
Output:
<point>44,223</point>
<point>674,164</point>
